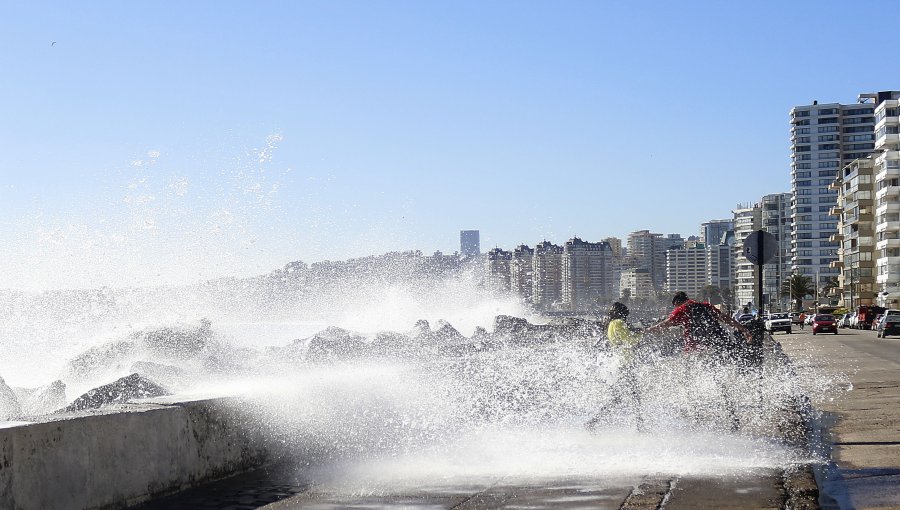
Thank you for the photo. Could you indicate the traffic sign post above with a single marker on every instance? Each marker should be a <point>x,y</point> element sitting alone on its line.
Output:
<point>760,248</point>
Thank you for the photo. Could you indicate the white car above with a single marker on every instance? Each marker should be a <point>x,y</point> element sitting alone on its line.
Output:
<point>778,322</point>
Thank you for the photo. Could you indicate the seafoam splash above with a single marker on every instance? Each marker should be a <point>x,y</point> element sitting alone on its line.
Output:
<point>518,412</point>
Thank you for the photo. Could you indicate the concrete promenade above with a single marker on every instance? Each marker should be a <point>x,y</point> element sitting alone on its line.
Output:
<point>859,431</point>
<point>859,435</point>
<point>862,428</point>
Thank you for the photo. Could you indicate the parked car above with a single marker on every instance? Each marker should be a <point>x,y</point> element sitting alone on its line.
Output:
<point>824,323</point>
<point>852,322</point>
<point>844,321</point>
<point>778,322</point>
<point>745,318</point>
<point>809,319</point>
<point>889,325</point>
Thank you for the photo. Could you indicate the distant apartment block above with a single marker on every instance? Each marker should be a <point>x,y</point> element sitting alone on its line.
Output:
<point>712,231</point>
<point>775,218</point>
<point>469,243</point>
<point>547,275</point>
<point>824,139</point>
<point>498,269</point>
<point>588,275</point>
<point>636,284</point>
<point>521,272</point>
<point>747,218</point>
<point>647,250</point>
<point>686,269</point>
<point>720,263</point>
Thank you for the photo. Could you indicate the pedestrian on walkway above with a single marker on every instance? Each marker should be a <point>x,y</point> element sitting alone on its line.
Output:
<point>626,388</point>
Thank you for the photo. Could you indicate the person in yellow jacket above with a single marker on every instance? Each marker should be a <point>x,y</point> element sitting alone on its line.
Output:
<point>622,342</point>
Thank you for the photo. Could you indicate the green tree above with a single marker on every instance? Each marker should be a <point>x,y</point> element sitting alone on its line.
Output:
<point>626,295</point>
<point>727,295</point>
<point>712,294</point>
<point>798,287</point>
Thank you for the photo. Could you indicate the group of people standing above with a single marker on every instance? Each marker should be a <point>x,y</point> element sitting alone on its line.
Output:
<point>709,338</point>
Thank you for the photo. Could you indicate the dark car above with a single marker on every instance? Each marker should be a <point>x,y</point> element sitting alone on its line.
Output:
<point>889,325</point>
<point>824,323</point>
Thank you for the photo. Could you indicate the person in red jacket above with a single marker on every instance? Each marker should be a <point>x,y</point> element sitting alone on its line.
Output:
<point>704,325</point>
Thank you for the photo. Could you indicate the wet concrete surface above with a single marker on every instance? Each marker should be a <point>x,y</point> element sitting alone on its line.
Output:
<point>860,430</point>
<point>862,436</point>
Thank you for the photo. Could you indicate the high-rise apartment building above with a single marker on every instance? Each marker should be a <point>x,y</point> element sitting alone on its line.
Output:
<point>521,272</point>
<point>469,243</point>
<point>775,211</point>
<point>686,269</point>
<point>824,139</point>
<point>887,195</point>
<point>636,284</point>
<point>855,210</point>
<point>720,264</point>
<point>547,275</point>
<point>712,231</point>
<point>588,275</point>
<point>747,218</point>
<point>615,244</point>
<point>647,250</point>
<point>498,274</point>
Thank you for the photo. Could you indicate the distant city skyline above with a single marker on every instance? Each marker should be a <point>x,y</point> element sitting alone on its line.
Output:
<point>210,139</point>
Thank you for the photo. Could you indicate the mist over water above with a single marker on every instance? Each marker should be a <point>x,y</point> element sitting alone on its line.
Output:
<point>460,408</point>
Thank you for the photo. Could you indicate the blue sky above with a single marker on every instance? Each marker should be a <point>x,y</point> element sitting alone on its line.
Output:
<point>161,142</point>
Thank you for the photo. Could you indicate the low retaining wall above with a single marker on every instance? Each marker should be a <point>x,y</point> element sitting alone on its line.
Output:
<point>124,455</point>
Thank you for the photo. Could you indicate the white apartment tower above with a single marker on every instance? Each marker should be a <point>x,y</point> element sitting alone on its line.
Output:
<point>647,250</point>
<point>887,195</point>
<point>636,283</point>
<point>686,269</point>
<point>746,220</point>
<point>824,139</point>
<point>588,275</point>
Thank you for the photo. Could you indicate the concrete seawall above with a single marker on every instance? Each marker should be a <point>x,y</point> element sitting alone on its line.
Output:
<point>125,454</point>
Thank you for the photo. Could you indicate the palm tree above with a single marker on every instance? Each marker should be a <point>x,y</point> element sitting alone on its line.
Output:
<point>797,287</point>
<point>830,283</point>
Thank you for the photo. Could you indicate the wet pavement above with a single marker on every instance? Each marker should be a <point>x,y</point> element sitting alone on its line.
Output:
<point>861,429</point>
<point>862,442</point>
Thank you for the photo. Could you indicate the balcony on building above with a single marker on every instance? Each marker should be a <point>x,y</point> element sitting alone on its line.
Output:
<point>836,264</point>
<point>835,210</point>
<point>888,240</point>
<point>835,238</point>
